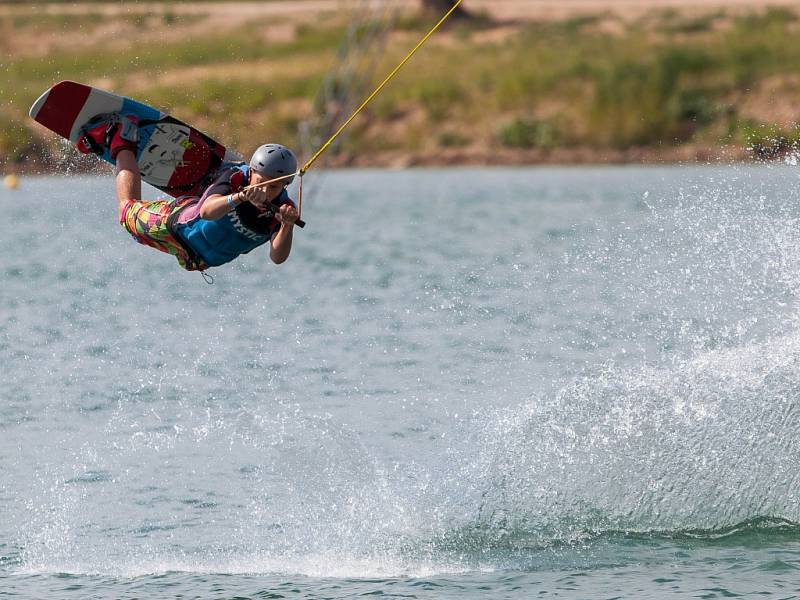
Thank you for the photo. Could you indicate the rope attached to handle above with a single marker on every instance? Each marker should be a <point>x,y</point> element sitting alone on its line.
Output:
<point>326,145</point>
<point>389,77</point>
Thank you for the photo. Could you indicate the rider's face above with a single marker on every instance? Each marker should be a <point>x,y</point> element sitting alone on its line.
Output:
<point>273,189</point>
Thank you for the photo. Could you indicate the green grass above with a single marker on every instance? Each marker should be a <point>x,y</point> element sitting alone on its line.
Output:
<point>665,80</point>
<point>529,133</point>
<point>14,137</point>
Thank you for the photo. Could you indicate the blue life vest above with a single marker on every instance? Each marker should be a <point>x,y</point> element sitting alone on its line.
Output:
<point>220,241</point>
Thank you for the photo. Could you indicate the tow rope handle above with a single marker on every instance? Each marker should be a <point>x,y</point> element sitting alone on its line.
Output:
<point>275,204</point>
<point>299,222</point>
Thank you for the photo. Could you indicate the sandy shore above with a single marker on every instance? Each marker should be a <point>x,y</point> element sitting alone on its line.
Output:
<point>513,10</point>
<point>523,10</point>
<point>774,97</point>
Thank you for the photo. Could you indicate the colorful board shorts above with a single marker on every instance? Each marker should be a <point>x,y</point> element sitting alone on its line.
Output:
<point>147,223</point>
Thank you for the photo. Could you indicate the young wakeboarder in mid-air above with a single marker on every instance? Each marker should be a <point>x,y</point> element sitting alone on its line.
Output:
<point>221,207</point>
<point>230,218</point>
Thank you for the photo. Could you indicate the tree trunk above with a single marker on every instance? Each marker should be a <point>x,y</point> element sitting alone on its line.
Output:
<point>442,6</point>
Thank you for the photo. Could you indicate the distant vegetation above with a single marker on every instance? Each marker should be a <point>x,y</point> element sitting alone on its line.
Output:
<point>591,87</point>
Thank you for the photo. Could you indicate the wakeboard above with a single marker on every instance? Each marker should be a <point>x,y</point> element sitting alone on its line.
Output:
<point>172,156</point>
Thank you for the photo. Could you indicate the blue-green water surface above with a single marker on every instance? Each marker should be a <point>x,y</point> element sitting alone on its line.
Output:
<point>477,383</point>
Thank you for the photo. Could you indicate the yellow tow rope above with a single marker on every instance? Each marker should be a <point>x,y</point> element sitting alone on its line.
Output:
<point>389,77</point>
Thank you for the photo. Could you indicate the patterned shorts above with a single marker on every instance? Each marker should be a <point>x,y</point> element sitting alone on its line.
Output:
<point>147,223</point>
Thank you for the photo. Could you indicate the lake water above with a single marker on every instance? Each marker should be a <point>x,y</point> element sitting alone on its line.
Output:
<point>533,383</point>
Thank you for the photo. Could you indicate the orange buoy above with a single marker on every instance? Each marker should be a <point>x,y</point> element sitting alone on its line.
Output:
<point>11,182</point>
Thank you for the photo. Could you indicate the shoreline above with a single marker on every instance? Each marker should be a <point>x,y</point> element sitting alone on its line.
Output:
<point>533,86</point>
<point>577,157</point>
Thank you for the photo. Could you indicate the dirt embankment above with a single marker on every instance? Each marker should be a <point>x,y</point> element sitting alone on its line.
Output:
<point>429,121</point>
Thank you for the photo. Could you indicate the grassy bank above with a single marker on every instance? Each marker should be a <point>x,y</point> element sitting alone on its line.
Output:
<point>591,88</point>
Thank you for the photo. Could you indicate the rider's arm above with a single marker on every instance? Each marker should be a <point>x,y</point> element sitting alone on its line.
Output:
<point>218,205</point>
<point>281,243</point>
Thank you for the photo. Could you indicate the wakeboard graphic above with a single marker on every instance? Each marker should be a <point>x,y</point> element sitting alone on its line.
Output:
<point>172,156</point>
